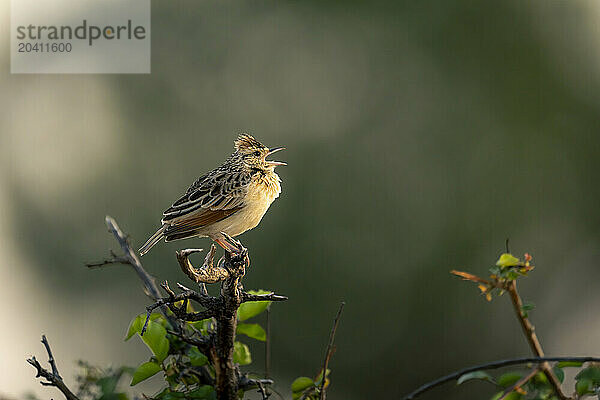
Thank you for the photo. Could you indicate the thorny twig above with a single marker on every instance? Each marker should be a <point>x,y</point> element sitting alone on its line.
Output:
<point>528,329</point>
<point>330,350</point>
<point>534,343</point>
<point>52,378</point>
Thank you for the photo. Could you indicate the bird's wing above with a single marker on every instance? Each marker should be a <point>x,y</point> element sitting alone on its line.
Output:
<point>212,198</point>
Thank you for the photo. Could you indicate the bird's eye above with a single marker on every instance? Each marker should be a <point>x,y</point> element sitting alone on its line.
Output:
<point>257,153</point>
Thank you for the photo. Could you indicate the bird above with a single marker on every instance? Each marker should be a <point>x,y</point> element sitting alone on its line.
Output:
<point>227,201</point>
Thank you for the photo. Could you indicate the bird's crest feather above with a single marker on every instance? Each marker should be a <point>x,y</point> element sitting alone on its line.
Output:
<point>247,142</point>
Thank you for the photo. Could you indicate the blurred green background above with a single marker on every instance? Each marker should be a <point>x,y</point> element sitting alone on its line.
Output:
<point>420,135</point>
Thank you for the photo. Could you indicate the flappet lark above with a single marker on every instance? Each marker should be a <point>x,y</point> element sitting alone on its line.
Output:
<point>228,200</point>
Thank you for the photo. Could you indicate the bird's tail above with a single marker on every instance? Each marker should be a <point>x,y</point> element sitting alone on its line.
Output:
<point>158,235</point>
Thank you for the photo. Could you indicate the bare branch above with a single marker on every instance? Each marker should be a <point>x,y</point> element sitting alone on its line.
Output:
<point>107,261</point>
<point>130,258</point>
<point>113,259</point>
<point>51,360</point>
<point>330,350</point>
<point>52,378</point>
<point>534,343</point>
<point>493,365</point>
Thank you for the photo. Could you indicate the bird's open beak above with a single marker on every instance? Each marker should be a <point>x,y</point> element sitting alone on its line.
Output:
<point>275,150</point>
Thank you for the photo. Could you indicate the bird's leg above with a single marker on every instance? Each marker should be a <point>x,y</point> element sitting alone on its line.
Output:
<point>230,244</point>
<point>225,245</point>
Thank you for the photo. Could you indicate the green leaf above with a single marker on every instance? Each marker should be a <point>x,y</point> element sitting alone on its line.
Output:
<point>526,307</point>
<point>540,377</point>
<point>135,326</point>
<point>260,291</point>
<point>587,380</point>
<point>507,260</point>
<point>138,323</point>
<point>156,340</point>
<point>508,379</point>
<point>583,386</point>
<point>202,325</point>
<point>197,359</point>
<point>241,354</point>
<point>495,270</point>
<point>145,371</point>
<point>591,374</point>
<point>560,374</point>
<point>564,364</point>
<point>481,375</point>
<point>302,383</point>
<point>253,308</point>
<point>511,275</point>
<point>255,331</point>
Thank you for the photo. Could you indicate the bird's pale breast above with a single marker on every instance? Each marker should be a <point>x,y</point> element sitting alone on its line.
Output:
<point>262,191</point>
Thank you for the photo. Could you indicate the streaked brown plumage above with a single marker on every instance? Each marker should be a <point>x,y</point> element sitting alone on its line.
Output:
<point>231,198</point>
